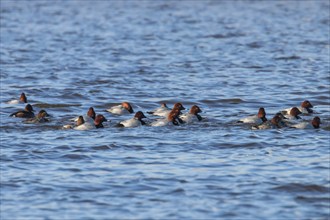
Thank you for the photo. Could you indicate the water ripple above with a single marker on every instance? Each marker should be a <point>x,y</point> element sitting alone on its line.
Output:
<point>68,56</point>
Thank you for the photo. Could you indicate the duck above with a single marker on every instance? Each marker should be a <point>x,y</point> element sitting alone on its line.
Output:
<point>26,113</point>
<point>85,125</point>
<point>192,116</point>
<point>89,117</point>
<point>171,119</point>
<point>281,115</point>
<point>173,116</point>
<point>22,99</point>
<point>255,119</point>
<point>160,111</point>
<point>40,118</point>
<point>294,114</point>
<point>276,122</point>
<point>305,108</point>
<point>80,120</point>
<point>133,122</point>
<point>165,112</point>
<point>313,124</point>
<point>99,119</point>
<point>123,108</point>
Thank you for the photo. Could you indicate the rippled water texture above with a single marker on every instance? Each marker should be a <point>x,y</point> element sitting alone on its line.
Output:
<point>228,57</point>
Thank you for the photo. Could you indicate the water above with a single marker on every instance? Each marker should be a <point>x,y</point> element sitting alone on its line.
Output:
<point>230,58</point>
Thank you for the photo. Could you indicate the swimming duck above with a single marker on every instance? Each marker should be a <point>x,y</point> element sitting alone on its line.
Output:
<point>40,118</point>
<point>85,125</point>
<point>26,113</point>
<point>80,120</point>
<point>313,124</point>
<point>255,119</point>
<point>123,108</point>
<point>171,119</point>
<point>294,114</point>
<point>192,116</point>
<point>134,122</point>
<point>160,111</point>
<point>89,117</point>
<point>22,99</point>
<point>305,108</point>
<point>276,122</point>
<point>165,112</point>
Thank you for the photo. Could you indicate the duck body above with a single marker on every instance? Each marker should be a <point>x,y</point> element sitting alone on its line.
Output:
<point>40,118</point>
<point>275,123</point>
<point>160,122</point>
<point>255,119</point>
<point>89,117</point>
<point>131,123</point>
<point>302,125</point>
<point>164,111</point>
<point>136,121</point>
<point>294,114</point>
<point>192,116</point>
<point>87,125</point>
<point>122,109</point>
<point>22,99</point>
<point>304,108</point>
<point>313,124</point>
<point>23,114</point>
<point>26,113</point>
<point>171,119</point>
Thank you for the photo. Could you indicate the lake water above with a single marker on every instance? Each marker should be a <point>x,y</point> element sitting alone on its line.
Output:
<point>228,57</point>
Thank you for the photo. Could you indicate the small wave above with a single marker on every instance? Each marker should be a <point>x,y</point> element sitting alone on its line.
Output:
<point>228,35</point>
<point>103,147</point>
<point>84,189</point>
<point>315,42</point>
<point>75,170</point>
<point>90,201</point>
<point>297,187</point>
<point>11,185</point>
<point>178,191</point>
<point>254,45</point>
<point>46,105</point>
<point>215,101</point>
<point>327,128</point>
<point>312,199</point>
<point>293,57</point>
<point>62,147</point>
<point>74,157</point>
<point>254,67</point>
<point>157,200</point>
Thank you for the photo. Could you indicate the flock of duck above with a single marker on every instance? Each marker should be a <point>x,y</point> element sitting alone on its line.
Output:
<point>166,116</point>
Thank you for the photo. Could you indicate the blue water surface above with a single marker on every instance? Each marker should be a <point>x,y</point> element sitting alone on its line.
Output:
<point>228,57</point>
